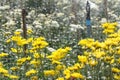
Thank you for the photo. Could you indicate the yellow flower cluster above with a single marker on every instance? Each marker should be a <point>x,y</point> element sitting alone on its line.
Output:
<point>3,55</point>
<point>17,33</point>
<point>15,68</point>
<point>99,53</point>
<point>34,60</point>
<point>59,54</point>
<point>39,43</point>
<point>82,59</point>
<point>35,63</point>
<point>60,78</point>
<point>77,75</point>
<point>69,74</point>
<point>60,65</point>
<point>104,52</point>
<point>109,27</point>
<point>34,78</point>
<point>117,77</point>
<point>22,60</point>
<point>19,40</point>
<point>5,72</point>
<point>12,76</point>
<point>115,70</point>
<point>36,55</point>
<point>14,50</point>
<point>49,72</point>
<point>93,63</point>
<point>29,31</point>
<point>117,73</point>
<point>31,72</point>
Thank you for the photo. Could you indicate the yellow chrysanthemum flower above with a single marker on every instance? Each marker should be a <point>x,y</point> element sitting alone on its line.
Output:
<point>3,54</point>
<point>49,72</point>
<point>34,78</point>
<point>8,40</point>
<point>93,63</point>
<point>36,55</point>
<point>77,75</point>
<point>3,71</point>
<point>99,54</point>
<point>29,31</point>
<point>115,70</point>
<point>66,72</point>
<point>60,67</point>
<point>60,78</point>
<point>14,68</point>
<point>109,27</point>
<point>82,59</point>
<point>56,62</point>
<point>1,65</point>
<point>86,42</point>
<point>34,62</point>
<point>59,54</point>
<point>30,72</point>
<point>14,50</point>
<point>117,77</point>
<point>22,60</point>
<point>13,77</point>
<point>39,43</point>
<point>17,33</point>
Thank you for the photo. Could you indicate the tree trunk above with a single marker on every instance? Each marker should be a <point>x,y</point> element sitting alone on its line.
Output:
<point>105,9</point>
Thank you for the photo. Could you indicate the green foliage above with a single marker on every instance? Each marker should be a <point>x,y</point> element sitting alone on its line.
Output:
<point>43,6</point>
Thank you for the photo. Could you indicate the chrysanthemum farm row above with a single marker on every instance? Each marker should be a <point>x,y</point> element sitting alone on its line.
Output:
<point>100,59</point>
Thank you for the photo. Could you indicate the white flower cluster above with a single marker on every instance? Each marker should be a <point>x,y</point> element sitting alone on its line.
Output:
<point>75,27</point>
<point>5,7</point>
<point>10,23</point>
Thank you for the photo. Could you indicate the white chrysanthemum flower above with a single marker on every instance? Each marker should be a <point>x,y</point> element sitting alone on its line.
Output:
<point>74,27</point>
<point>66,19</point>
<point>59,3</point>
<point>71,16</point>
<point>60,14</point>
<point>103,20</point>
<point>67,7</point>
<point>66,1</point>
<point>19,30</point>
<point>10,23</point>
<point>29,26</point>
<point>41,15</point>
<point>47,23</point>
<point>11,12</point>
<point>17,10</point>
<point>97,1</point>
<point>38,26</point>
<point>50,49</point>
<point>32,13</point>
<point>36,22</point>
<point>7,32</point>
<point>114,16</point>
<point>4,7</point>
<point>54,24</point>
<point>0,15</point>
<point>28,16</point>
<point>118,24</point>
